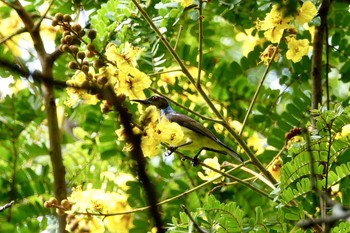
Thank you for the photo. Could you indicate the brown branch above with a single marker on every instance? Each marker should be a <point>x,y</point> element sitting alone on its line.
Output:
<point>316,66</point>
<point>316,76</point>
<point>46,62</point>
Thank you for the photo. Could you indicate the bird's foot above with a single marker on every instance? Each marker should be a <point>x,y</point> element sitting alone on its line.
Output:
<point>196,161</point>
<point>170,150</point>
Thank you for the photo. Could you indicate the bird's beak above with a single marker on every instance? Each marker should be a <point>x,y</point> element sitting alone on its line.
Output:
<point>145,102</point>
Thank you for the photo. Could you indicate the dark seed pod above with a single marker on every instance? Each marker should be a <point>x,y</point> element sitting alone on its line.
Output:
<point>90,54</point>
<point>73,65</point>
<point>59,16</point>
<point>85,68</point>
<point>92,34</point>
<point>102,80</point>
<point>67,18</point>
<point>86,63</point>
<point>65,48</point>
<point>76,27</point>
<point>74,49</point>
<point>81,55</point>
<point>98,63</point>
<point>54,22</point>
<point>91,47</point>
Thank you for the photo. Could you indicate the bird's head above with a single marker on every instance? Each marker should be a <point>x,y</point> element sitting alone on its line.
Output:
<point>158,101</point>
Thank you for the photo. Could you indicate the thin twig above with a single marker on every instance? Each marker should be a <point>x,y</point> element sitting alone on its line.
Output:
<point>200,41</point>
<point>178,37</point>
<point>195,225</point>
<point>7,205</point>
<point>259,88</point>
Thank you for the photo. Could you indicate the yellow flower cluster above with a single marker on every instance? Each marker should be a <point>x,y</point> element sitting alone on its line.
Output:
<point>275,24</point>
<point>209,173</point>
<point>99,201</point>
<point>79,79</point>
<point>120,72</point>
<point>128,80</point>
<point>155,133</point>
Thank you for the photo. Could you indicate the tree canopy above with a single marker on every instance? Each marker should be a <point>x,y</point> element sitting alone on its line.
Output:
<point>270,79</point>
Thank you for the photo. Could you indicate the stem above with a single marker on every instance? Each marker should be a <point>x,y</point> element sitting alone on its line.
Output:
<point>259,88</point>
<point>200,41</point>
<point>316,66</point>
<point>50,106</point>
<point>316,78</point>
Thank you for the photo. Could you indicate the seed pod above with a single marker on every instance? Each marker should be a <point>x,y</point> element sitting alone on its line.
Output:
<point>67,18</point>
<point>76,27</point>
<point>81,55</point>
<point>47,204</point>
<point>63,40</point>
<point>73,65</point>
<point>102,80</point>
<point>66,204</point>
<point>68,38</point>
<point>82,33</point>
<point>60,212</point>
<point>66,33</point>
<point>91,47</point>
<point>90,54</point>
<point>98,63</point>
<point>74,49</point>
<point>85,68</point>
<point>54,22</point>
<point>92,34</point>
<point>86,63</point>
<point>59,16</point>
<point>53,201</point>
<point>65,48</point>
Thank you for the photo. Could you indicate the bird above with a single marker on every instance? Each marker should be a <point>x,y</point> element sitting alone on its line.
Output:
<point>196,135</point>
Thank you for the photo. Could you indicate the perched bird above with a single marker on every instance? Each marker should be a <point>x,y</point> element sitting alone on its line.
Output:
<point>195,134</point>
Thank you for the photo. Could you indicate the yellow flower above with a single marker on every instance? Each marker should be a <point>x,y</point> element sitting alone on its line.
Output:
<point>149,115</point>
<point>275,169</point>
<point>170,133</point>
<point>95,200</point>
<point>185,3</point>
<point>79,79</point>
<point>296,48</point>
<point>210,174</point>
<point>123,60</point>
<point>150,142</point>
<point>248,40</point>
<point>345,131</point>
<point>133,82</point>
<point>274,19</point>
<point>306,13</point>
<point>267,54</point>
<point>258,143</point>
<point>274,24</point>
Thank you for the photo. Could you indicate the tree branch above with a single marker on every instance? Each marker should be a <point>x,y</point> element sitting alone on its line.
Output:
<point>46,62</point>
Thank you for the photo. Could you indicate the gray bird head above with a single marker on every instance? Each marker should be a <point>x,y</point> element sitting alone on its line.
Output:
<point>156,100</point>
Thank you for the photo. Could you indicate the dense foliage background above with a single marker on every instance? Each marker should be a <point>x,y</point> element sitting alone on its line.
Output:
<point>270,78</point>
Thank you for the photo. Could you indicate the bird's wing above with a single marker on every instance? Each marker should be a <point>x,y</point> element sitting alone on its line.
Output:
<point>191,124</point>
<point>194,125</point>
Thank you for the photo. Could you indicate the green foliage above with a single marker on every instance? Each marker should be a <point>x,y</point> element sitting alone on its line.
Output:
<point>92,150</point>
<point>325,147</point>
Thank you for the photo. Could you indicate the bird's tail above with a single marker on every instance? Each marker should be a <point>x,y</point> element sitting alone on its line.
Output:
<point>231,152</point>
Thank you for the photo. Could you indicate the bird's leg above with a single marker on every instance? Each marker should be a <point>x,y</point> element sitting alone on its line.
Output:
<point>172,149</point>
<point>196,160</point>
